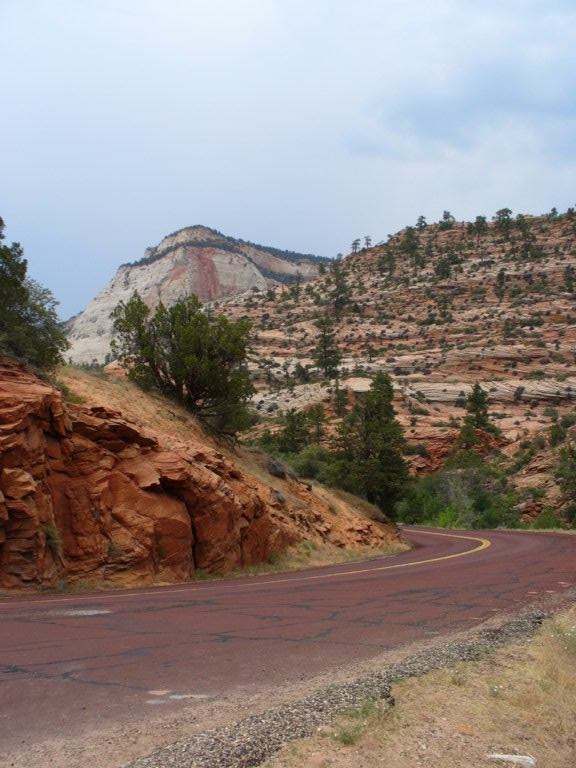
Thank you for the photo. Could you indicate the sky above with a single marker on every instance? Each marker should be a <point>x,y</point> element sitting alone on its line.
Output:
<point>301,124</point>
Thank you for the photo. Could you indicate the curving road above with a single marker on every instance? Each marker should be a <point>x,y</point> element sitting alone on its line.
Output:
<point>77,662</point>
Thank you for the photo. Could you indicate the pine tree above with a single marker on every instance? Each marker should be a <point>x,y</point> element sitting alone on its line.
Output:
<point>29,325</point>
<point>295,435</point>
<point>317,420</point>
<point>372,445</point>
<point>477,407</point>
<point>421,222</point>
<point>340,399</point>
<point>341,292</point>
<point>326,353</point>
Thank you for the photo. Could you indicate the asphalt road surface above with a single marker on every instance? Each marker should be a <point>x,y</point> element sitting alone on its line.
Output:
<point>86,661</point>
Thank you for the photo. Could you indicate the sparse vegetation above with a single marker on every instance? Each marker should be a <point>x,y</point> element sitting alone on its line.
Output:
<point>518,699</point>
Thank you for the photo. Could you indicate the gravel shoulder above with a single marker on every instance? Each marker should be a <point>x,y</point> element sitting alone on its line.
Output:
<point>259,735</point>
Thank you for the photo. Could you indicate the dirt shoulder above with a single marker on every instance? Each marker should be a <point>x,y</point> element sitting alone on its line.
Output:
<point>516,700</point>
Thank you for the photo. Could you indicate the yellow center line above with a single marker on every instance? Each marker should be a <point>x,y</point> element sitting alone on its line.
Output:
<point>483,544</point>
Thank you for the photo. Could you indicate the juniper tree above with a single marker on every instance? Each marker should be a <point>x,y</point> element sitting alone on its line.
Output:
<point>503,221</point>
<point>447,221</point>
<point>194,356</point>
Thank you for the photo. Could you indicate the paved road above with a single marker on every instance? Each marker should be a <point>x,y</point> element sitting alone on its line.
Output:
<point>74,662</point>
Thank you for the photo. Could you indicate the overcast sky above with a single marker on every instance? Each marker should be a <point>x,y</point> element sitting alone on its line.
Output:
<point>295,123</point>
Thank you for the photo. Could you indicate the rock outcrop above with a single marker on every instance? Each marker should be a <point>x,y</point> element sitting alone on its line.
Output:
<point>195,260</point>
<point>439,308</point>
<point>87,494</point>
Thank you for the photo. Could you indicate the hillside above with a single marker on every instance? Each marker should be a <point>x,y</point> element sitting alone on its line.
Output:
<point>195,260</point>
<point>439,308</point>
<point>122,488</point>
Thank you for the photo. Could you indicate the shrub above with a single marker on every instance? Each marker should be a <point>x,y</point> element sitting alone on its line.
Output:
<point>52,538</point>
<point>547,519</point>
<point>467,493</point>
<point>557,434</point>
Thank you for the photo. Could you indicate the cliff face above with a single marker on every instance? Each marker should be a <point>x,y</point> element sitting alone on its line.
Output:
<point>194,260</point>
<point>86,493</point>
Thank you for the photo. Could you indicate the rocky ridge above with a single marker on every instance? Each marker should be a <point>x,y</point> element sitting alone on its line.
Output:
<point>194,260</point>
<point>86,493</point>
<point>438,308</point>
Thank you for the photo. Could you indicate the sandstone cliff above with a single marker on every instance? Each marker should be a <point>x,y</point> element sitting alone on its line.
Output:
<point>87,493</point>
<point>194,260</point>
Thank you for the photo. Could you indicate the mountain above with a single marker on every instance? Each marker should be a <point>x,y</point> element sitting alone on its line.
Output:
<point>195,260</point>
<point>440,308</point>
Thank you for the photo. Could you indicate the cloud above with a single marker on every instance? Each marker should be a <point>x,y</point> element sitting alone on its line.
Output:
<point>510,78</point>
<point>300,124</point>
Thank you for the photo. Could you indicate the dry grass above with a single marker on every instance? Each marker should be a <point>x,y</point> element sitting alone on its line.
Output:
<point>371,511</point>
<point>517,700</point>
<point>308,554</point>
<point>147,409</point>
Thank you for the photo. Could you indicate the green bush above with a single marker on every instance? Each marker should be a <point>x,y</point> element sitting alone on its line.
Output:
<point>316,463</point>
<point>557,434</point>
<point>547,519</point>
<point>467,493</point>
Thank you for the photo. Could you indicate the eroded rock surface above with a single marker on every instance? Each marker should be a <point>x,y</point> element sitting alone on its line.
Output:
<point>85,493</point>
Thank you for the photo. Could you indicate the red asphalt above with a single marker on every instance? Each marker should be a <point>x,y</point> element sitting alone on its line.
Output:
<point>84,662</point>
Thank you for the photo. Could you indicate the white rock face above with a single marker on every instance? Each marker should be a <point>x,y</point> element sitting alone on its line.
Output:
<point>195,260</point>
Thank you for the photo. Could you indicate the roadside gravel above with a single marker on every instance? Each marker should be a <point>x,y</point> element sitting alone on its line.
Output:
<point>252,740</point>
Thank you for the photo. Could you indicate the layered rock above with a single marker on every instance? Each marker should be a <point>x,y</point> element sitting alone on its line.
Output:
<point>195,260</point>
<point>85,493</point>
<point>439,310</point>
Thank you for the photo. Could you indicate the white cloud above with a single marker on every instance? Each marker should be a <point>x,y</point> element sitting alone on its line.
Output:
<point>295,122</point>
